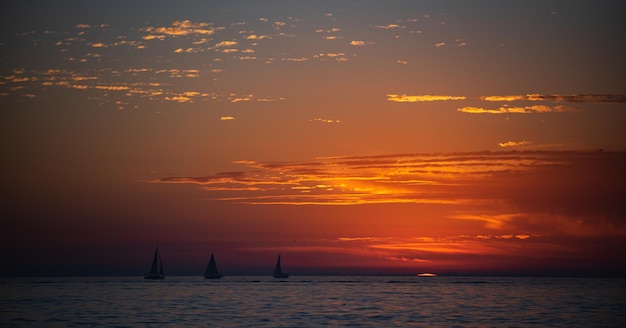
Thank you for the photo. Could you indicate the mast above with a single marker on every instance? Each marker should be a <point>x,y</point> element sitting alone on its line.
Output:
<point>161,269</point>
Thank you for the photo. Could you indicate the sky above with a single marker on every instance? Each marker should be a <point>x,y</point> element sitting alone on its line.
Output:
<point>351,137</point>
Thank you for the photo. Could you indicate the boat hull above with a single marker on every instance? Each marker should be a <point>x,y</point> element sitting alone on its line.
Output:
<point>213,276</point>
<point>153,276</point>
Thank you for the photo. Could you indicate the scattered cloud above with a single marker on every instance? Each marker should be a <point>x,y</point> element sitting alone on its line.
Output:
<point>181,28</point>
<point>300,59</point>
<point>330,30</point>
<point>508,109</point>
<point>406,98</point>
<point>227,118</point>
<point>389,26</point>
<point>325,120</point>
<point>235,99</point>
<point>360,43</point>
<point>339,57</point>
<point>112,87</point>
<point>516,110</point>
<point>574,98</point>
<point>513,143</point>
<point>226,43</point>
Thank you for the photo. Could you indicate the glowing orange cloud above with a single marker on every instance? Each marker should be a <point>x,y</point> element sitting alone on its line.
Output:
<point>560,98</point>
<point>406,98</point>
<point>576,98</point>
<point>516,110</point>
<point>410,178</point>
<point>513,143</point>
<point>182,28</point>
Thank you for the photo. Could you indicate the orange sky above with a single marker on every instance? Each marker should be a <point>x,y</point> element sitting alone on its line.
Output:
<point>354,137</point>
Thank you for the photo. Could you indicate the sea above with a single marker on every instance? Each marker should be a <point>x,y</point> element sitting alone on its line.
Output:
<point>313,301</point>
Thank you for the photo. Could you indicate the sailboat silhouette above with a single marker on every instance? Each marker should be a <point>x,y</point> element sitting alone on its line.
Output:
<point>278,271</point>
<point>153,268</point>
<point>211,270</point>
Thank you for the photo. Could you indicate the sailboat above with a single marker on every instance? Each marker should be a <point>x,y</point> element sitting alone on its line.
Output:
<point>153,269</point>
<point>278,271</point>
<point>211,270</point>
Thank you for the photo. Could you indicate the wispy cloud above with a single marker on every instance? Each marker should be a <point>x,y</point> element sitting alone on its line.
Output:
<point>389,26</point>
<point>513,143</point>
<point>228,43</point>
<point>181,28</point>
<point>505,108</point>
<point>359,43</point>
<point>422,98</point>
<point>575,98</point>
<point>516,109</point>
<point>325,120</point>
<point>454,179</point>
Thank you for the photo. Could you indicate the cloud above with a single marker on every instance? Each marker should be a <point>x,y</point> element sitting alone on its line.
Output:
<point>278,24</point>
<point>226,43</point>
<point>180,99</point>
<point>270,99</point>
<point>331,30</point>
<point>516,110</point>
<point>513,143</point>
<point>349,239</point>
<point>574,98</point>
<point>112,87</point>
<point>181,28</point>
<point>325,120</point>
<point>360,43</point>
<point>234,98</point>
<point>514,178</point>
<point>300,59</point>
<point>388,26</point>
<point>339,56</point>
<point>406,98</point>
<point>227,118</point>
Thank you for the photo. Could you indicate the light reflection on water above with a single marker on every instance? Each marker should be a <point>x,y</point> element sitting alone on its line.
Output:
<point>313,301</point>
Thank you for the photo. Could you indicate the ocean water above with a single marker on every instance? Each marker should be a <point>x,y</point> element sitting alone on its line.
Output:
<point>313,301</point>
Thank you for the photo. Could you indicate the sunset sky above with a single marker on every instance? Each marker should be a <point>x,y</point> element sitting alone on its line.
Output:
<point>352,137</point>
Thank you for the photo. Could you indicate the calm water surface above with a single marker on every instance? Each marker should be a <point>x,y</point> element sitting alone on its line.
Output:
<point>313,301</point>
